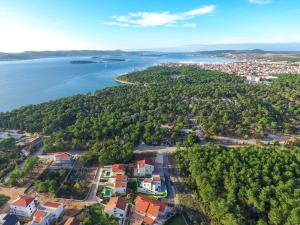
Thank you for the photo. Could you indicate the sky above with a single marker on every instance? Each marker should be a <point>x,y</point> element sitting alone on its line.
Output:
<point>147,24</point>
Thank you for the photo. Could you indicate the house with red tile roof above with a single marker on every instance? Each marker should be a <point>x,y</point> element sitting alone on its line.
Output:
<point>116,207</point>
<point>149,209</point>
<point>23,206</point>
<point>55,208</point>
<point>119,183</point>
<point>42,217</point>
<point>63,160</point>
<point>72,221</point>
<point>145,167</point>
<point>118,169</point>
<point>150,185</point>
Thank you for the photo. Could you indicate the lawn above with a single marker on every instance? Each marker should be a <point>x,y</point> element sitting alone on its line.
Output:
<point>176,220</point>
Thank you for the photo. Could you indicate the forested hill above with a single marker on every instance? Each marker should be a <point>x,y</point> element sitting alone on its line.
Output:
<point>222,104</point>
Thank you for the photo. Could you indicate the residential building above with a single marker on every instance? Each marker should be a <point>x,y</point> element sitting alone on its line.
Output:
<point>119,184</point>
<point>149,209</point>
<point>118,169</point>
<point>8,219</point>
<point>72,221</point>
<point>150,185</point>
<point>23,206</point>
<point>145,167</point>
<point>116,207</point>
<point>54,208</point>
<point>42,217</point>
<point>63,160</point>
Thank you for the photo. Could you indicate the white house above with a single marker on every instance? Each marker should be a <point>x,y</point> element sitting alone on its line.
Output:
<point>118,169</point>
<point>145,167</point>
<point>116,207</point>
<point>23,206</point>
<point>42,217</point>
<point>119,184</point>
<point>9,219</point>
<point>63,160</point>
<point>47,213</point>
<point>150,185</point>
<point>54,208</point>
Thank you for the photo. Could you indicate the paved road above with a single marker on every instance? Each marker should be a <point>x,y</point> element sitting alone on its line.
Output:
<point>95,183</point>
<point>169,185</point>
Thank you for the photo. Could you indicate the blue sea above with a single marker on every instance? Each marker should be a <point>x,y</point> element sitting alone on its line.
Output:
<point>40,80</point>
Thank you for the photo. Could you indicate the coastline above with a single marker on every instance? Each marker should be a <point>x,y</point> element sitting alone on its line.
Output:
<point>123,82</point>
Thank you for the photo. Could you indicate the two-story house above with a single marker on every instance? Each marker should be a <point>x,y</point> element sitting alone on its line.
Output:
<point>23,206</point>
<point>150,185</point>
<point>116,207</point>
<point>145,167</point>
<point>119,183</point>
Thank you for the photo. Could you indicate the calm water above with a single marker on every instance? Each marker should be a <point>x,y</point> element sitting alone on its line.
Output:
<point>36,81</point>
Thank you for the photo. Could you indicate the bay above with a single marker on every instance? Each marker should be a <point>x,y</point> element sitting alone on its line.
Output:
<point>40,80</point>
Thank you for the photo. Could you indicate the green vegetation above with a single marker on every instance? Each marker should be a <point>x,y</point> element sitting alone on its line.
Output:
<point>176,220</point>
<point>17,176</point>
<point>10,156</point>
<point>249,185</point>
<point>77,185</point>
<point>50,180</point>
<point>97,216</point>
<point>3,199</point>
<point>110,122</point>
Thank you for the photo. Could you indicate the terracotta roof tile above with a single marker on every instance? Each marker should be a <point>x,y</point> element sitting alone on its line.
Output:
<point>23,201</point>
<point>115,202</point>
<point>118,168</point>
<point>148,220</point>
<point>39,215</point>
<point>63,155</point>
<point>52,204</point>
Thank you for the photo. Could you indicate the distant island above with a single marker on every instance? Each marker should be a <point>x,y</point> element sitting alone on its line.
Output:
<point>82,62</point>
<point>113,60</point>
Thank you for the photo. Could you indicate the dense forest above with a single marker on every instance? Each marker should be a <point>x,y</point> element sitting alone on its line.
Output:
<point>157,109</point>
<point>10,156</point>
<point>250,185</point>
<point>235,186</point>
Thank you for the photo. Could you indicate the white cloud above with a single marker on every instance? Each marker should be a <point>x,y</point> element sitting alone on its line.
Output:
<point>153,19</point>
<point>260,2</point>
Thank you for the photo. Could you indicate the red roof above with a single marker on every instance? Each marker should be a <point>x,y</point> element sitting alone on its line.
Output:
<point>148,206</point>
<point>141,163</point>
<point>120,177</point>
<point>156,178</point>
<point>63,155</point>
<point>72,221</point>
<point>120,184</point>
<point>23,201</point>
<point>115,202</point>
<point>148,220</point>
<point>148,180</point>
<point>39,215</point>
<point>52,204</point>
<point>118,168</point>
